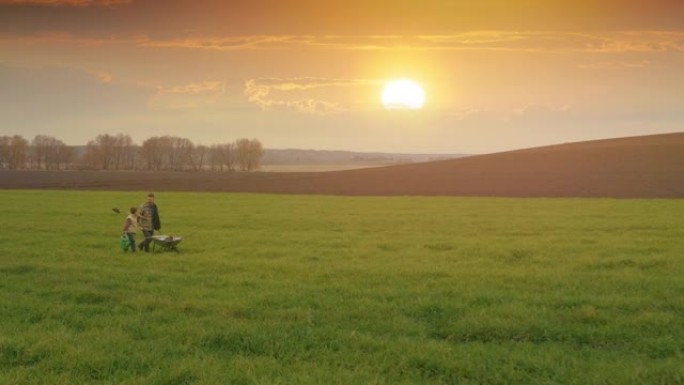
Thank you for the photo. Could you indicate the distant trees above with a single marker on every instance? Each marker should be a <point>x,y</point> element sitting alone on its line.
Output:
<point>14,152</point>
<point>167,153</point>
<point>249,153</point>
<point>49,153</point>
<point>119,152</point>
<point>222,155</point>
<point>243,154</point>
<point>199,157</point>
<point>99,152</point>
<point>110,152</point>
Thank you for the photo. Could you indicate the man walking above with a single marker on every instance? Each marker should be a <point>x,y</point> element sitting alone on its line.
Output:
<point>149,221</point>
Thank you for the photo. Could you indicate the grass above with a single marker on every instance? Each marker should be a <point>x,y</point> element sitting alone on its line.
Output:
<point>335,290</point>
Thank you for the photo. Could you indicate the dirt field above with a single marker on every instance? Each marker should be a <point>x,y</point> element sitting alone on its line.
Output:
<point>637,167</point>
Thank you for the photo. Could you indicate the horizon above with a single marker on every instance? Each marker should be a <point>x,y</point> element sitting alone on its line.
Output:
<point>496,75</point>
<point>433,153</point>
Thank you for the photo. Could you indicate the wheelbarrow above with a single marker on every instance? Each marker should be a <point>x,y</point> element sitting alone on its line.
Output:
<point>165,242</point>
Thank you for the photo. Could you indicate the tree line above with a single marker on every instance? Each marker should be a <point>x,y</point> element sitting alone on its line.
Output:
<point>119,152</point>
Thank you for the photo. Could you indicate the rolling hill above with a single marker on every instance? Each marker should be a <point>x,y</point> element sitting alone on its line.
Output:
<point>634,167</point>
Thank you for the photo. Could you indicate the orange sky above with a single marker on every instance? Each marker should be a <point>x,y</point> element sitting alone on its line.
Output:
<point>498,74</point>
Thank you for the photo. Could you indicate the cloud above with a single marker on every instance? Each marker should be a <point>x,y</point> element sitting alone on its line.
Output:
<point>529,41</point>
<point>194,88</point>
<point>515,41</point>
<point>540,109</point>
<point>229,43</point>
<point>559,42</point>
<point>295,93</point>
<point>70,3</point>
<point>104,77</point>
<point>528,113</point>
<point>188,96</point>
<point>466,113</point>
<point>62,38</point>
<point>614,65</point>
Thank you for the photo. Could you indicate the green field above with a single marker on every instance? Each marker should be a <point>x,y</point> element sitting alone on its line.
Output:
<point>338,290</point>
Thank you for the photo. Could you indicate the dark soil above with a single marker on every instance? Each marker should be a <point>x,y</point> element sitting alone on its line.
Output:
<point>636,167</point>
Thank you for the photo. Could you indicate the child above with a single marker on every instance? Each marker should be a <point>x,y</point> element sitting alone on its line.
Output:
<point>130,227</point>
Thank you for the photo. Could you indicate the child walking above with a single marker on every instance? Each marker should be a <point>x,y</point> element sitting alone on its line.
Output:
<point>130,227</point>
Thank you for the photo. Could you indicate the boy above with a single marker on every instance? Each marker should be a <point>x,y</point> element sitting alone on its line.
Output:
<point>130,227</point>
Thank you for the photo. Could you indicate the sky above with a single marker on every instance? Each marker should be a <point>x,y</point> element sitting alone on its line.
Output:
<point>497,75</point>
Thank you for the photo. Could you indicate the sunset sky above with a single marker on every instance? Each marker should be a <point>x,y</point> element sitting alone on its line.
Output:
<point>497,74</point>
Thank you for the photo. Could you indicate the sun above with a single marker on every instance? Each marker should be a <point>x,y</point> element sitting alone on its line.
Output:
<point>403,94</point>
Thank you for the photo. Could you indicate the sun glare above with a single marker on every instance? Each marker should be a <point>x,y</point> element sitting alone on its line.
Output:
<point>403,94</point>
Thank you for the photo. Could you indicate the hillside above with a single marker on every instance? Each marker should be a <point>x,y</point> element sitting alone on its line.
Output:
<point>647,166</point>
<point>323,157</point>
<point>635,167</point>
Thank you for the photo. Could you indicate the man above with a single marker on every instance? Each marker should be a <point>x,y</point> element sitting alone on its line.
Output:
<point>149,221</point>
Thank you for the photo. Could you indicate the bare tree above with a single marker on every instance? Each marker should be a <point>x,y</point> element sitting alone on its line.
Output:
<point>91,156</point>
<point>14,152</point>
<point>228,156</point>
<point>151,153</point>
<point>181,153</point>
<point>215,157</point>
<point>19,153</point>
<point>123,152</point>
<point>5,150</point>
<point>110,152</point>
<point>222,155</point>
<point>167,153</point>
<point>48,152</point>
<point>107,147</point>
<point>242,147</point>
<point>256,152</point>
<point>101,152</point>
<point>128,153</point>
<point>65,155</point>
<point>249,153</point>
<point>199,157</point>
<point>38,150</point>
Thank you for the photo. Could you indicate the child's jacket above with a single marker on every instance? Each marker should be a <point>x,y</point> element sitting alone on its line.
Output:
<point>130,224</point>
